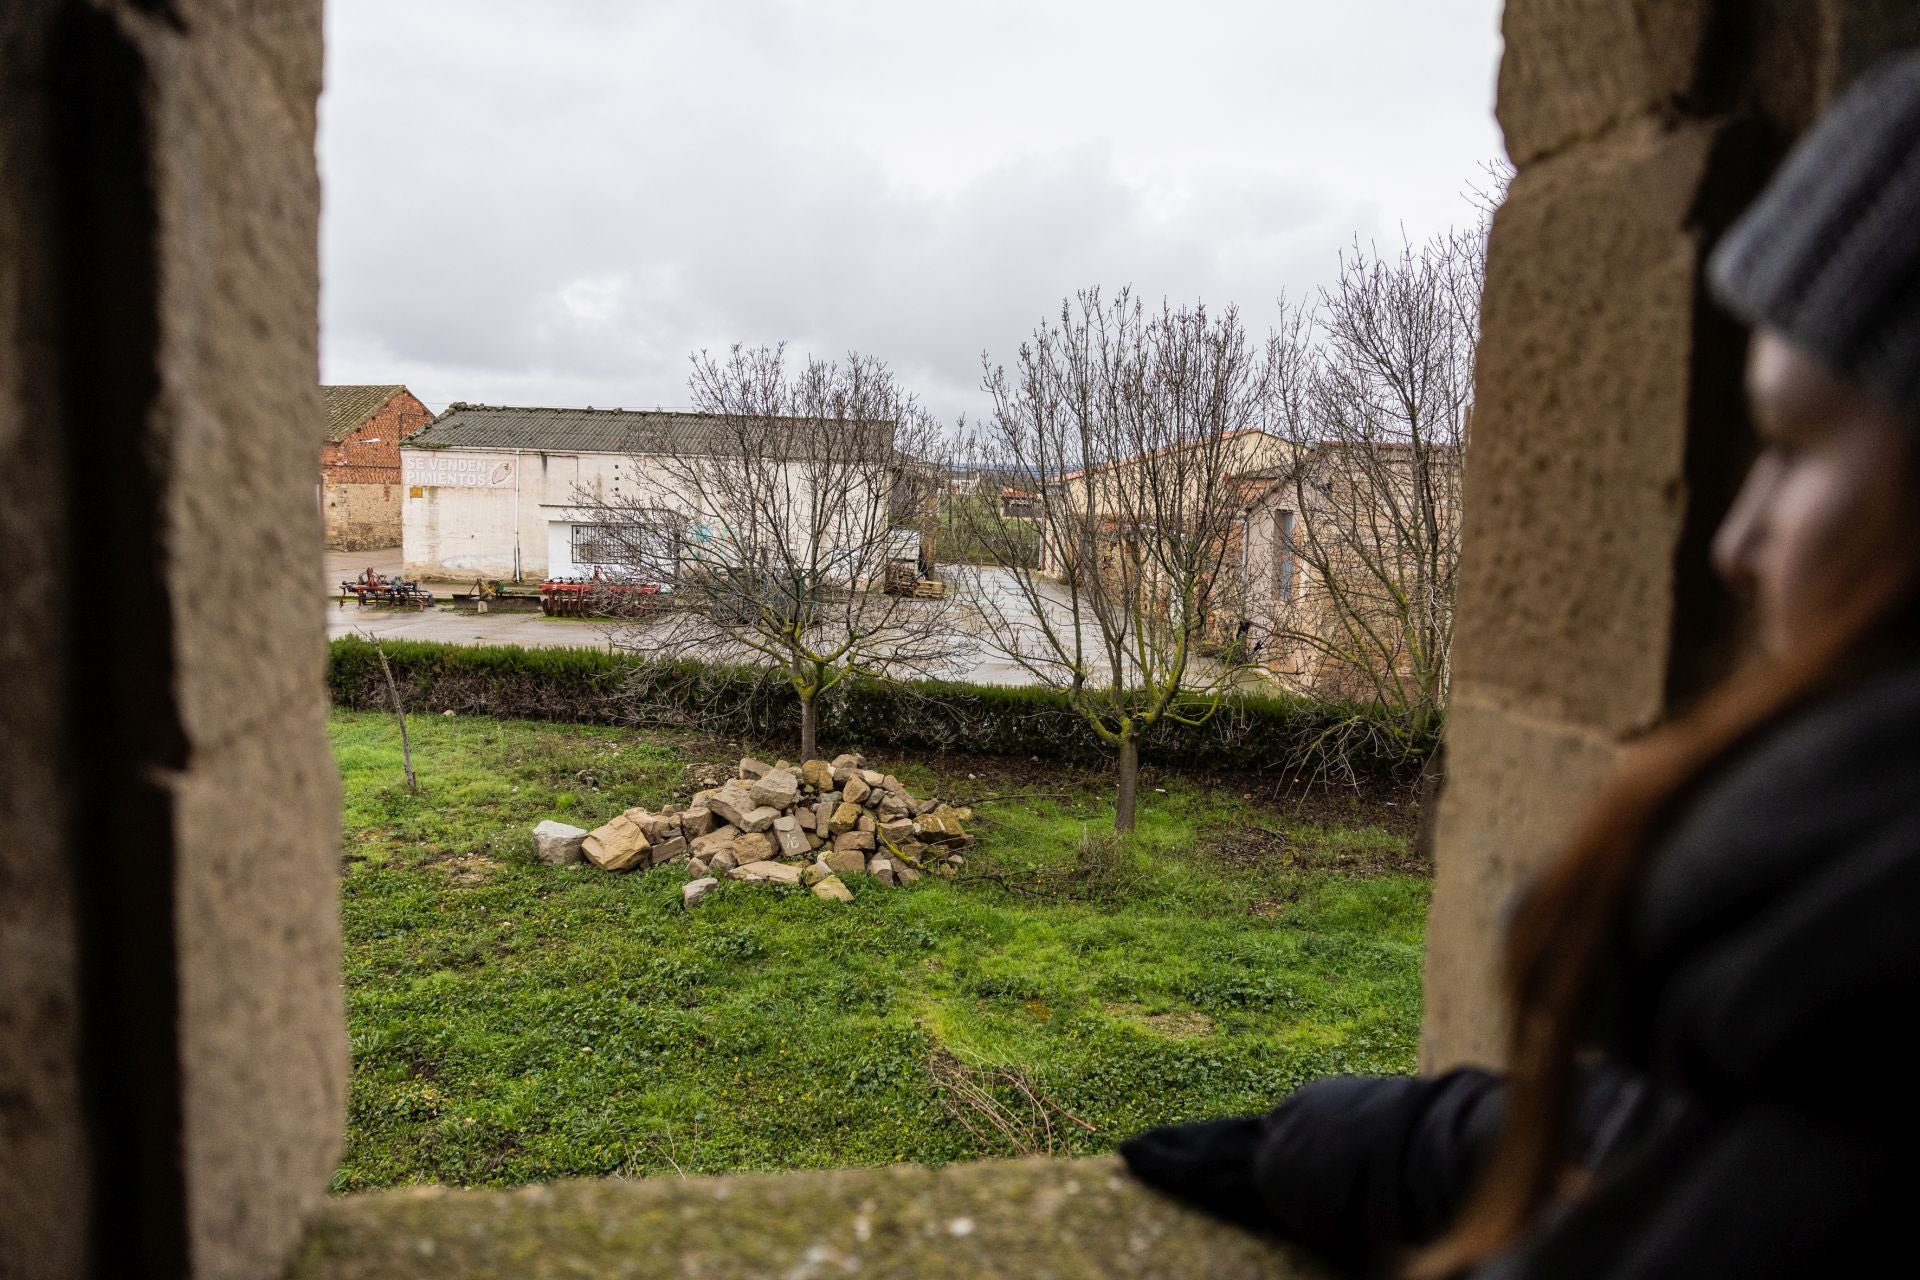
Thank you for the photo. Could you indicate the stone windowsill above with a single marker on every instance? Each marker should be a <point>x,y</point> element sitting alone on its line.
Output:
<point>1059,1219</point>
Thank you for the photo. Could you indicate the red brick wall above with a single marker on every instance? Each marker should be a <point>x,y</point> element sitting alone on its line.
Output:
<point>359,516</point>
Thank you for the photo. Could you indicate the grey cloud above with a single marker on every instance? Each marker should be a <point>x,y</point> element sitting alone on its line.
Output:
<point>559,213</point>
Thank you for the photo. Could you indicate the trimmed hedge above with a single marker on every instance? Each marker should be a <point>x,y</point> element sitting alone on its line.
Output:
<point>1328,741</point>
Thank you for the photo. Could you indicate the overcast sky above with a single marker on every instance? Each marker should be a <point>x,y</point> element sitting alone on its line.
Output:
<point>554,202</point>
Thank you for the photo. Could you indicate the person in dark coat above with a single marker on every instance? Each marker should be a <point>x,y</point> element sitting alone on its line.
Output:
<point>1710,990</point>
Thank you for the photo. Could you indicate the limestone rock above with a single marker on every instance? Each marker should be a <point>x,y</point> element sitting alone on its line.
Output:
<point>872,777</point>
<point>669,849</point>
<point>833,889</point>
<point>896,832</point>
<point>814,872</point>
<point>853,840</point>
<point>732,803</point>
<point>777,789</point>
<point>775,872</point>
<point>838,860</point>
<point>722,862</point>
<point>793,841</point>
<point>618,846</point>
<point>895,804</point>
<point>941,828</point>
<point>696,821</point>
<point>855,791</point>
<point>823,812</point>
<point>694,890</point>
<point>866,823</point>
<point>696,868</point>
<point>556,843</point>
<point>881,869</point>
<point>844,767</point>
<point>806,815</point>
<point>817,774</point>
<point>721,837</point>
<point>905,875</point>
<point>752,847</point>
<point>845,818</point>
<point>751,768</point>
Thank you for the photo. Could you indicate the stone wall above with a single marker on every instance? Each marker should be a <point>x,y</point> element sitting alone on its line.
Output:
<point>360,514</point>
<point>1609,433</point>
<point>172,1055</point>
<point>1065,1219</point>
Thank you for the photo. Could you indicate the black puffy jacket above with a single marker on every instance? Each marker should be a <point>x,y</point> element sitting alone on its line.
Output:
<point>1752,1113</point>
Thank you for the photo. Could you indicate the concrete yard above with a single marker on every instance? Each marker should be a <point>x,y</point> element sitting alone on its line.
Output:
<point>530,630</point>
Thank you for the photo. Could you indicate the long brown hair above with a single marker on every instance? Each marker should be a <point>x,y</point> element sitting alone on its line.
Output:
<point>1567,931</point>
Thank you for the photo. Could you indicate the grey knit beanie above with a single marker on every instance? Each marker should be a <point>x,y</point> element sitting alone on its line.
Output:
<point>1829,254</point>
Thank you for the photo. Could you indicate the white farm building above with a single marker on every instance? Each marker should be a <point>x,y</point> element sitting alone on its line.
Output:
<point>509,493</point>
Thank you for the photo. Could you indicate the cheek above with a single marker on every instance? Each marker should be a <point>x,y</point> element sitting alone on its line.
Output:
<point>1827,527</point>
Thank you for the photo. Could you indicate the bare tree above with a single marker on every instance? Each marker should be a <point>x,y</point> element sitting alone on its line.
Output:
<point>771,528</point>
<point>1374,391</point>
<point>1124,425</point>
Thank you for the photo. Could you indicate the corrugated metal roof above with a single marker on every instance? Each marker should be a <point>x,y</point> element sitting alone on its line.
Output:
<point>627,431</point>
<point>350,405</point>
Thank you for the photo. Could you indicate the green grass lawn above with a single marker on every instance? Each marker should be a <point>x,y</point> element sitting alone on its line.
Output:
<point>512,1022</point>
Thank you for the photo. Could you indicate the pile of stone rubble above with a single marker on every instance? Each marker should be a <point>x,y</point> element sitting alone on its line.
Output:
<point>776,823</point>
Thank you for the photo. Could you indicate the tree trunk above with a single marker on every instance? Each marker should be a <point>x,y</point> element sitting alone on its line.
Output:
<point>809,729</point>
<point>393,693</point>
<point>1129,790</point>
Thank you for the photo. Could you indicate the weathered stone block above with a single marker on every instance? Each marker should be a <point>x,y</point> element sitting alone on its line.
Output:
<point>845,860</point>
<point>845,818</point>
<point>557,843</point>
<point>1574,69</point>
<point>853,840</point>
<point>773,872</point>
<point>817,774</point>
<point>620,845</point>
<point>792,842</point>
<point>694,890</point>
<point>855,790</point>
<point>1585,392</point>
<point>753,846</point>
<point>833,889</point>
<point>732,803</point>
<point>776,789</point>
<point>714,841</point>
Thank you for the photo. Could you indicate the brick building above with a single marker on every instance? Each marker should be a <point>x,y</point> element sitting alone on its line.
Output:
<point>360,463</point>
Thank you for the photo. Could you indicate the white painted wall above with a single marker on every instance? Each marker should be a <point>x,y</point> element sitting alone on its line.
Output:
<point>458,508</point>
